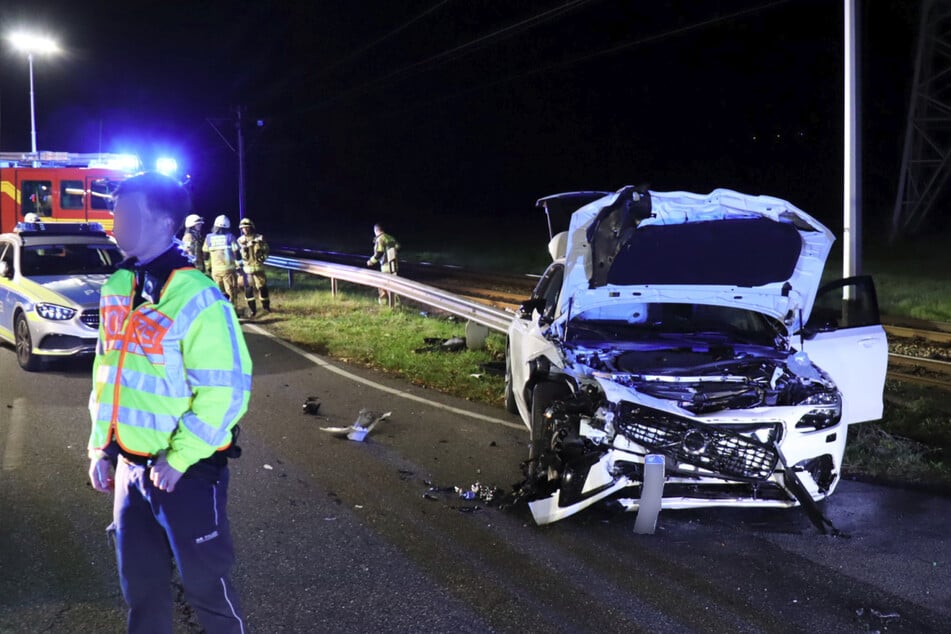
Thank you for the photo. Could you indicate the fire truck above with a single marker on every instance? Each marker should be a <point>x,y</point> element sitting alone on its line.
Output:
<point>61,186</point>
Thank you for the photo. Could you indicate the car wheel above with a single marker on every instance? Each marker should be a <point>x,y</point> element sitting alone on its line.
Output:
<point>543,395</point>
<point>24,345</point>
<point>510,405</point>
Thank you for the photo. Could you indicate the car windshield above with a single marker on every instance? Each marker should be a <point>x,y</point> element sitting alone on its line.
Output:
<point>68,259</point>
<point>697,321</point>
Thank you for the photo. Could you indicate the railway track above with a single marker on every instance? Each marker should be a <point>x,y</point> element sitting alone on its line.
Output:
<point>919,350</point>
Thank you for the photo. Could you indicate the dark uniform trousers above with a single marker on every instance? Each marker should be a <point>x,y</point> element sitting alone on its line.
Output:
<point>190,524</point>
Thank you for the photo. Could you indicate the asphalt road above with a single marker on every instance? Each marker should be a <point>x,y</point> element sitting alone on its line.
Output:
<point>339,536</point>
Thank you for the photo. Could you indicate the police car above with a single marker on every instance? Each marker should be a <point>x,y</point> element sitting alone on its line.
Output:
<point>690,331</point>
<point>50,278</point>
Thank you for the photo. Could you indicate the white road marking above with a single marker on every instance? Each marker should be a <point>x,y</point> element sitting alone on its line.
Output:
<point>359,379</point>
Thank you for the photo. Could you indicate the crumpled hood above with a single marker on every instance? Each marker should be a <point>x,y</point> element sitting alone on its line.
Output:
<point>724,248</point>
<point>81,290</point>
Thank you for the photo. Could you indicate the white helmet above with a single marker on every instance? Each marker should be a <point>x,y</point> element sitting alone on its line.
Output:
<point>222,222</point>
<point>32,217</point>
<point>193,219</point>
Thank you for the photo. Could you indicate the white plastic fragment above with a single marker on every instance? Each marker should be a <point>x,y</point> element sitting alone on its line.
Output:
<point>366,421</point>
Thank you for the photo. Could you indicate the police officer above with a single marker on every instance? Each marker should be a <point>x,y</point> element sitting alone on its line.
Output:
<point>254,250</point>
<point>221,256</point>
<point>386,254</point>
<point>171,378</point>
<point>192,240</point>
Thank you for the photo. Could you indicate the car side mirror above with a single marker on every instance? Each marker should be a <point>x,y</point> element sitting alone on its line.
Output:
<point>6,270</point>
<point>529,306</point>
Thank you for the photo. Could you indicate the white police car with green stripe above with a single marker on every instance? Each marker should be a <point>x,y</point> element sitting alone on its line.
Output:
<point>50,278</point>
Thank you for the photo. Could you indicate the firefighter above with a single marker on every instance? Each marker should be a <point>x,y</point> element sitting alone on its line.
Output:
<point>254,250</point>
<point>192,240</point>
<point>386,254</point>
<point>221,256</point>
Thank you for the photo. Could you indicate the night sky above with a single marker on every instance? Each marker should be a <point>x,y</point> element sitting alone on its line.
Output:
<point>447,117</point>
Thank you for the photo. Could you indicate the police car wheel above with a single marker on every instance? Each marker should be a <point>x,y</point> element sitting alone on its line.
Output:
<point>24,345</point>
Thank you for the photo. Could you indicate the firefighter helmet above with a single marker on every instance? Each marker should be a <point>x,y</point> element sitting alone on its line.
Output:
<point>193,219</point>
<point>246,222</point>
<point>222,222</point>
<point>32,217</point>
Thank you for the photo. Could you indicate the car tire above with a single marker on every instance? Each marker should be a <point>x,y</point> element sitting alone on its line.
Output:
<point>23,341</point>
<point>543,395</point>
<point>510,405</point>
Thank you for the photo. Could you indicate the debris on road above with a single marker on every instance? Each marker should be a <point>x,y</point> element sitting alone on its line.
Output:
<point>435,344</point>
<point>311,405</point>
<point>366,421</point>
<point>487,494</point>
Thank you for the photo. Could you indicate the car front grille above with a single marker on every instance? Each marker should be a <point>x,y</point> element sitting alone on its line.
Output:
<point>719,449</point>
<point>90,318</point>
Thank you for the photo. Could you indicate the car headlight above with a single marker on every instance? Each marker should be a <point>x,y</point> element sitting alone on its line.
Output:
<point>827,411</point>
<point>55,312</point>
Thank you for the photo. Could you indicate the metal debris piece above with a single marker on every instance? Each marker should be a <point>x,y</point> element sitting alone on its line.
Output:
<point>493,368</point>
<point>478,491</point>
<point>311,405</point>
<point>366,421</point>
<point>435,344</point>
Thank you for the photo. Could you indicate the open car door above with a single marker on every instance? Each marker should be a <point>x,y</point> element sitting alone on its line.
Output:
<point>844,337</point>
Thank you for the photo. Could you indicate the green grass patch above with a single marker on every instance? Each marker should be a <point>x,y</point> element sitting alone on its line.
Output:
<point>354,328</point>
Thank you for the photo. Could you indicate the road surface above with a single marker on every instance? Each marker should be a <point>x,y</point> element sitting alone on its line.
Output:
<point>340,536</point>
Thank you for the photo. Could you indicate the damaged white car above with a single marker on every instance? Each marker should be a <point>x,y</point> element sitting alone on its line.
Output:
<point>691,328</point>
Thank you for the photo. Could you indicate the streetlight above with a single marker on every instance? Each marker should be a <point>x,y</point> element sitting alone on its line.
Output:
<point>30,44</point>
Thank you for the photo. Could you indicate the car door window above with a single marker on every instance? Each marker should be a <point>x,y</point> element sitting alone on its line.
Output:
<point>548,290</point>
<point>71,194</point>
<point>6,256</point>
<point>847,303</point>
<point>37,198</point>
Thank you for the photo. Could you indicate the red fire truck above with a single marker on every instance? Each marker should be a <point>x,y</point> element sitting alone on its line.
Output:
<point>61,186</point>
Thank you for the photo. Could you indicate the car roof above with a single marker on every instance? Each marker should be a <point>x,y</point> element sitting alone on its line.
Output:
<point>71,233</point>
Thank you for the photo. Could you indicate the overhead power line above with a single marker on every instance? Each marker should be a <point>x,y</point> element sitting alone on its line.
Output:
<point>451,54</point>
<point>366,47</point>
<point>586,57</point>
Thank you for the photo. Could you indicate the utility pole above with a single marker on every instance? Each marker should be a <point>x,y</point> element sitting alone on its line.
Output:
<point>852,174</point>
<point>239,129</point>
<point>239,111</point>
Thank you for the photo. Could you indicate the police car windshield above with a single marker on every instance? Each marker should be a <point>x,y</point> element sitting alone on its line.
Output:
<point>68,259</point>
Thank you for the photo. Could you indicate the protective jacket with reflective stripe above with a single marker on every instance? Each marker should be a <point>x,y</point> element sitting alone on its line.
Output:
<point>172,375</point>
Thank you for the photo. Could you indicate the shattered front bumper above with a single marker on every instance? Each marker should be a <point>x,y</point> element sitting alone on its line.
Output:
<point>751,463</point>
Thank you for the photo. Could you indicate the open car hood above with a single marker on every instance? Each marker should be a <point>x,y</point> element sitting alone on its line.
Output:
<point>724,248</point>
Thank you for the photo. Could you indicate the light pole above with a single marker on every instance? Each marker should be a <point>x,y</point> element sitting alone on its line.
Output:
<point>31,44</point>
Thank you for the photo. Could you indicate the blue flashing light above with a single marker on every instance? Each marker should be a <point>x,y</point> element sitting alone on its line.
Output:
<point>166,165</point>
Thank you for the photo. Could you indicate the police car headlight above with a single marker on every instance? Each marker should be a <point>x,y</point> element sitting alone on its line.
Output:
<point>826,411</point>
<point>55,312</point>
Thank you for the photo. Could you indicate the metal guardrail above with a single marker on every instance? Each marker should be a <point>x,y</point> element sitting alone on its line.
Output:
<point>492,318</point>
